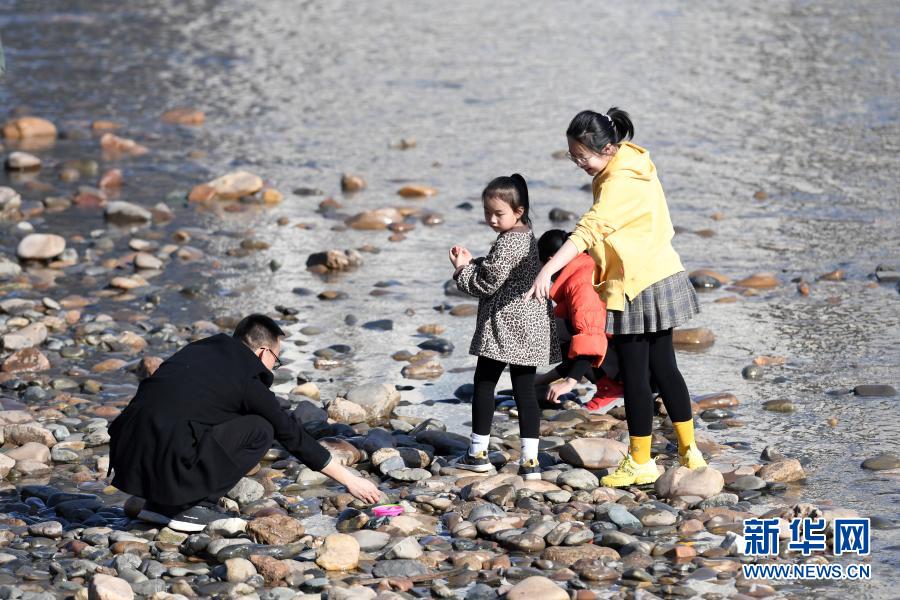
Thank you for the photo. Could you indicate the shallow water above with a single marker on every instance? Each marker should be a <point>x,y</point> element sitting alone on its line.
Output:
<point>796,99</point>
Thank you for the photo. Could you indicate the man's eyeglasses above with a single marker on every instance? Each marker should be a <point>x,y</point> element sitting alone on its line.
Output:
<point>278,362</point>
<point>578,160</point>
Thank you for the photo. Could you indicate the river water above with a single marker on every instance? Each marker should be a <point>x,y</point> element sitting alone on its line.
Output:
<point>798,100</point>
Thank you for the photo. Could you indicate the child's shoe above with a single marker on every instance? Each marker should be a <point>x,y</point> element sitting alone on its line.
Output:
<point>530,469</point>
<point>477,463</point>
<point>609,395</point>
<point>631,473</point>
<point>693,458</point>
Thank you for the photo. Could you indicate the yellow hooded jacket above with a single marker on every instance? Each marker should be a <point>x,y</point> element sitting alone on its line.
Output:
<point>628,231</point>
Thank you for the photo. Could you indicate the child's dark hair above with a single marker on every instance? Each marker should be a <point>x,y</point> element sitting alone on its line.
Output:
<point>550,243</point>
<point>513,190</point>
<point>595,130</point>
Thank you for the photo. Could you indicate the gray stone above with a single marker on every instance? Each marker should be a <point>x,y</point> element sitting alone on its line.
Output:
<point>400,568</point>
<point>620,516</point>
<point>882,462</point>
<point>246,491</point>
<point>370,540</point>
<point>579,479</point>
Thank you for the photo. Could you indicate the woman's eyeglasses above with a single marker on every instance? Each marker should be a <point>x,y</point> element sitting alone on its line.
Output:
<point>578,160</point>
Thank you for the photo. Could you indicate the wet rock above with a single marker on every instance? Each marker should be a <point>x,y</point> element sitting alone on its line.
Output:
<point>9,269</point>
<point>275,530</point>
<point>537,587</point>
<point>22,161</point>
<point>344,452</point>
<point>400,568</point>
<point>106,587</point>
<point>148,366</point>
<point>593,453</point>
<point>125,213</point>
<point>681,481</point>
<point>374,220</point>
<point>417,191</point>
<point>235,185</point>
<point>783,471</point>
<point>184,116</point>
<point>752,372</point>
<point>558,215</point>
<point>882,462</point>
<point>875,390</point>
<point>428,367</point>
<point>693,338</point>
<point>40,246</point>
<point>718,400</point>
<point>781,405</point>
<point>24,128</point>
<point>339,552</point>
<point>115,146</point>
<point>22,433</point>
<point>758,281</point>
<point>352,183</point>
<point>334,260</point>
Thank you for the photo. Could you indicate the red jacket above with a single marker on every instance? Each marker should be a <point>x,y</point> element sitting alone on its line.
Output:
<point>579,304</point>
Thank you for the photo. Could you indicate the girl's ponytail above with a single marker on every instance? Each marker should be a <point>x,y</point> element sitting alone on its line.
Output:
<point>522,189</point>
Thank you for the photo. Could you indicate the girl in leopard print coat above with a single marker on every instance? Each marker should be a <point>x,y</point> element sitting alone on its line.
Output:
<point>510,330</point>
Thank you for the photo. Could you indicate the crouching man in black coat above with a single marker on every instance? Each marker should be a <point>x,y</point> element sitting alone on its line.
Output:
<point>203,420</point>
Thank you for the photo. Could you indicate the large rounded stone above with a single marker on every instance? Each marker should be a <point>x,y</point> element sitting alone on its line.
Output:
<point>238,184</point>
<point>882,462</point>
<point>782,471</point>
<point>537,587</point>
<point>40,246</point>
<point>340,552</point>
<point>694,338</point>
<point>593,453</point>
<point>26,360</point>
<point>377,399</point>
<point>122,212</point>
<point>28,127</point>
<point>106,587</point>
<point>681,481</point>
<point>344,411</point>
<point>275,530</point>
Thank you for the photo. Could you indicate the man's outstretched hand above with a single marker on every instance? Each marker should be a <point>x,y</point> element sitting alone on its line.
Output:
<point>360,487</point>
<point>363,489</point>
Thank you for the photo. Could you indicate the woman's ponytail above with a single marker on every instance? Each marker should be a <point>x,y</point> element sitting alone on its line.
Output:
<point>511,189</point>
<point>624,128</point>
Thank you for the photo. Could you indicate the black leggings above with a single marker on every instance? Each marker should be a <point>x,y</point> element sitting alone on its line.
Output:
<point>487,374</point>
<point>640,357</point>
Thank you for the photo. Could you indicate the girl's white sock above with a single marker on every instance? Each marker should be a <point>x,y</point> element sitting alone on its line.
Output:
<point>479,443</point>
<point>529,448</point>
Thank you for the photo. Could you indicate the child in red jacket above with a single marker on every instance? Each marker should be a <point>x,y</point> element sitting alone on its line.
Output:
<point>581,323</point>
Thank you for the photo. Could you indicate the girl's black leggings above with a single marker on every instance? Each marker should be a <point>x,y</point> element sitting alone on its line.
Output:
<point>487,374</point>
<point>644,355</point>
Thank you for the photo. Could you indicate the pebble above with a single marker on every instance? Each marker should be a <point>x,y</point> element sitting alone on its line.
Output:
<point>875,390</point>
<point>339,552</point>
<point>882,462</point>
<point>22,161</point>
<point>40,246</point>
<point>696,338</point>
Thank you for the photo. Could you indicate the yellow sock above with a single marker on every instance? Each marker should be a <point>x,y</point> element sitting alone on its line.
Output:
<point>685,432</point>
<point>639,446</point>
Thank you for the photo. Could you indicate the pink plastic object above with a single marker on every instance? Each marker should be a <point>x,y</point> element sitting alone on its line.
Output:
<point>388,510</point>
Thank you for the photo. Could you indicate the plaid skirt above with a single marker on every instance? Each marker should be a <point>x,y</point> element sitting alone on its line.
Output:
<point>668,303</point>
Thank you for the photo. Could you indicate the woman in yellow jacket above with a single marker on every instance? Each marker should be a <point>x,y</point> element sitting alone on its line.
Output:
<point>639,275</point>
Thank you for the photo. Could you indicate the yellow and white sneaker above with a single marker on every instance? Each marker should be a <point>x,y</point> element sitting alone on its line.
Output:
<point>693,458</point>
<point>631,473</point>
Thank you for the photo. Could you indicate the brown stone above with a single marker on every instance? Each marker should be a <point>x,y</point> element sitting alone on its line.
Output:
<point>568,555</point>
<point>201,193</point>
<point>184,116</point>
<point>782,471</point>
<point>693,338</point>
<point>275,530</point>
<point>758,281</point>
<point>464,310</point>
<point>113,145</point>
<point>148,366</point>
<point>26,360</point>
<point>352,183</point>
<point>108,365</point>
<point>417,191</point>
<point>28,127</point>
<point>716,400</point>
<point>272,569</point>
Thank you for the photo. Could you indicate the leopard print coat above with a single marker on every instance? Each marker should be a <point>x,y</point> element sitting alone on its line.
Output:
<point>510,329</point>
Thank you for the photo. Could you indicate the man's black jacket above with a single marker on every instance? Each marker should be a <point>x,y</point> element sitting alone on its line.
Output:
<point>158,446</point>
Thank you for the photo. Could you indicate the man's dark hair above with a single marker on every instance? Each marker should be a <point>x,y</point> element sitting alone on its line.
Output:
<point>258,331</point>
